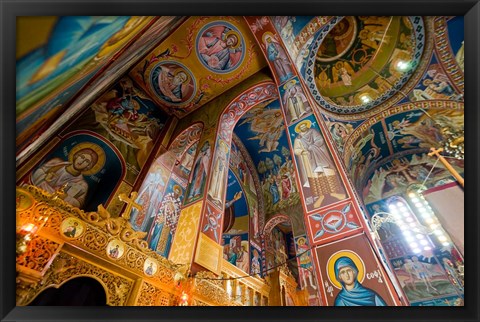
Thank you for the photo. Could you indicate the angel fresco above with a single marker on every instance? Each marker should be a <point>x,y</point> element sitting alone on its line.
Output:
<point>220,47</point>
<point>343,71</point>
<point>269,126</point>
<point>129,119</point>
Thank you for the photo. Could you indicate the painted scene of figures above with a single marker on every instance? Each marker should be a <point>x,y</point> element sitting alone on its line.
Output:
<point>236,251</point>
<point>264,127</point>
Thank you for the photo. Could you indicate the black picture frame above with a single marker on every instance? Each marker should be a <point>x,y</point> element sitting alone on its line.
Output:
<point>11,9</point>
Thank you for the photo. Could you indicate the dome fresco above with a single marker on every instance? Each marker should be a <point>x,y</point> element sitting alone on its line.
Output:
<point>360,62</point>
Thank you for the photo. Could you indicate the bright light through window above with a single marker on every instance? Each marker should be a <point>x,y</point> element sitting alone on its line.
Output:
<point>429,217</point>
<point>411,228</point>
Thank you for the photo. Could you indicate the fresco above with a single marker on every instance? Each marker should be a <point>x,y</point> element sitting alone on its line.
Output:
<point>422,278</point>
<point>294,101</point>
<point>218,180</point>
<point>220,47</point>
<point>79,164</point>
<point>166,219</point>
<point>262,132</point>
<point>125,116</point>
<point>199,173</point>
<point>56,56</point>
<point>435,84</point>
<point>256,265</point>
<point>277,57</point>
<point>351,275</point>
<point>214,54</point>
<point>340,132</point>
<point>150,195</point>
<point>456,38</point>
<point>292,29</point>
<point>243,168</point>
<point>428,275</point>
<point>320,181</point>
<point>338,221</point>
<point>172,82</point>
<point>212,222</point>
<point>360,60</point>
<point>307,276</point>
<point>394,177</point>
<point>450,48</point>
<point>445,301</point>
<point>236,250</point>
<point>236,207</point>
<point>184,166</point>
<point>400,129</point>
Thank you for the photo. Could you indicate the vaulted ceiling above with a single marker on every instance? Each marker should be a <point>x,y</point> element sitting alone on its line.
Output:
<point>372,78</point>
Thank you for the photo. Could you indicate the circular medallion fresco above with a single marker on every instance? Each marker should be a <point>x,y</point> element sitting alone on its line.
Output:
<point>220,47</point>
<point>172,82</point>
<point>115,249</point>
<point>358,63</point>
<point>72,227</point>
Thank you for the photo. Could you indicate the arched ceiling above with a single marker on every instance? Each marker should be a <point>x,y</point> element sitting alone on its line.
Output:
<point>262,132</point>
<point>395,70</point>
<point>199,61</point>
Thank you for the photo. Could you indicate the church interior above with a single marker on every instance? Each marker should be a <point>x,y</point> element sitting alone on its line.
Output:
<point>240,161</point>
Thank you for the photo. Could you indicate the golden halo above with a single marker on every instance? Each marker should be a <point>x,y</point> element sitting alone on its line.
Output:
<point>181,70</point>
<point>266,35</point>
<point>344,253</point>
<point>301,238</point>
<point>223,146</point>
<point>289,84</point>
<point>233,32</point>
<point>95,147</point>
<point>177,188</point>
<point>306,122</point>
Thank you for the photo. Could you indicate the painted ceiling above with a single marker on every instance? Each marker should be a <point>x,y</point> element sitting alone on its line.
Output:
<point>262,131</point>
<point>361,60</point>
<point>202,59</point>
<point>373,79</point>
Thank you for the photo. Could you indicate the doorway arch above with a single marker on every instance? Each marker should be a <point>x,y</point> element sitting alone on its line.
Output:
<point>79,291</point>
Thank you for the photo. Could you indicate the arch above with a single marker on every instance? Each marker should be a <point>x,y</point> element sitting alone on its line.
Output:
<point>251,167</point>
<point>272,223</point>
<point>218,176</point>
<point>185,139</point>
<point>87,290</point>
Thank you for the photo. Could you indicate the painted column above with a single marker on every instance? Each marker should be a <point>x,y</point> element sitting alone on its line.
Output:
<point>331,209</point>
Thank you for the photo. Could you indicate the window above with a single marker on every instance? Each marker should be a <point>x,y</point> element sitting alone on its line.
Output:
<point>412,230</point>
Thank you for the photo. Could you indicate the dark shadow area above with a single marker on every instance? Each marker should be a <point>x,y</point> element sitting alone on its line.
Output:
<point>82,291</point>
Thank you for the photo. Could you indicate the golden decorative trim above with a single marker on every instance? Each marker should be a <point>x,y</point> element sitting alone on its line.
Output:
<point>66,267</point>
<point>209,254</point>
